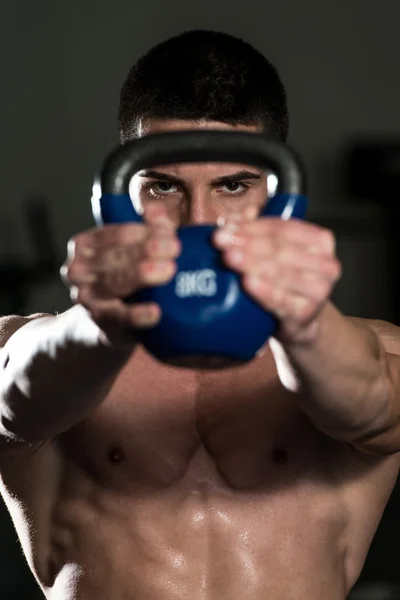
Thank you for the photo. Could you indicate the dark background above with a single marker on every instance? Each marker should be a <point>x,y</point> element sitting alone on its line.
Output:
<point>62,65</point>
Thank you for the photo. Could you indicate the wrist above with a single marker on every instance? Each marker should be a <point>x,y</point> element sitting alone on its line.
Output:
<point>79,327</point>
<point>123,341</point>
<point>306,337</point>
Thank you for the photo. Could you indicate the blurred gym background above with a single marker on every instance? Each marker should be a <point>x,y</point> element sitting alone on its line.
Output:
<point>62,66</point>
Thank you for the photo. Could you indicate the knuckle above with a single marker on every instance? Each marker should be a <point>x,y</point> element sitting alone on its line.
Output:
<point>303,308</point>
<point>328,240</point>
<point>71,246</point>
<point>64,273</point>
<point>145,315</point>
<point>332,269</point>
<point>142,269</point>
<point>162,246</point>
<point>155,270</point>
<point>68,272</point>
<point>319,290</point>
<point>71,272</point>
<point>76,295</point>
<point>81,245</point>
<point>297,306</point>
<point>129,233</point>
<point>315,284</point>
<point>80,294</point>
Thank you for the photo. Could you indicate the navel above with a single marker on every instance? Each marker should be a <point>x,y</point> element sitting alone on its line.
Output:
<point>279,456</point>
<point>116,454</point>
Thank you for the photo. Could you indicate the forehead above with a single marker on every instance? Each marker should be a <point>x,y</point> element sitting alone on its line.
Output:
<point>150,126</point>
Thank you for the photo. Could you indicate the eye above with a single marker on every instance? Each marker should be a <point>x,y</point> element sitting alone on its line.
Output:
<point>235,188</point>
<point>160,188</point>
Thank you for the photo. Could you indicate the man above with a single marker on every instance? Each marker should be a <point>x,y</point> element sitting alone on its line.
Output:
<point>130,479</point>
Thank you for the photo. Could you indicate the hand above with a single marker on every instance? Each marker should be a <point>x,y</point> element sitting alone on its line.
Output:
<point>105,265</point>
<point>288,267</point>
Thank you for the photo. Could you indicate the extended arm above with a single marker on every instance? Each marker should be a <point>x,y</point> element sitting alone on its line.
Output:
<point>347,380</point>
<point>53,371</point>
<point>343,376</point>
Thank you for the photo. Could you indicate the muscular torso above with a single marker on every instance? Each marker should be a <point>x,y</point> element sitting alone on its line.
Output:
<point>208,486</point>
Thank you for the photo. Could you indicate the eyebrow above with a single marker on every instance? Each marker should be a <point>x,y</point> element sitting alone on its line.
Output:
<point>234,178</point>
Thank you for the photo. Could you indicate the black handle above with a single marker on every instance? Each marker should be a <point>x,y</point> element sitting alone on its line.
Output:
<point>260,150</point>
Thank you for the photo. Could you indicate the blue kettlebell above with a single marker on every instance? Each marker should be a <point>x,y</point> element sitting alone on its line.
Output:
<point>208,320</point>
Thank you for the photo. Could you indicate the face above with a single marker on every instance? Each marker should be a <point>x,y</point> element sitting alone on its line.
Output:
<point>201,193</point>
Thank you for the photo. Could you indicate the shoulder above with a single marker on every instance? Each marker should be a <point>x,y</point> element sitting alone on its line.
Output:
<point>11,323</point>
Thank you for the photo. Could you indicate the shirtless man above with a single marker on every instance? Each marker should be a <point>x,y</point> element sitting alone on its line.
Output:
<point>128,479</point>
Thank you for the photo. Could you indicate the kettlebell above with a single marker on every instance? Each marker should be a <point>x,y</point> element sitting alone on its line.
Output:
<point>208,320</point>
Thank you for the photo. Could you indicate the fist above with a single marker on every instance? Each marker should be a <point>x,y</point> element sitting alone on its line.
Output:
<point>107,264</point>
<point>288,267</point>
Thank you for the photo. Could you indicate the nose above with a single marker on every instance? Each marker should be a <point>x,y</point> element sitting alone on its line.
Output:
<point>198,209</point>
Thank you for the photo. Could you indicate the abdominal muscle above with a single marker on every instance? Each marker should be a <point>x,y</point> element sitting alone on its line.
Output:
<point>198,539</point>
<point>200,488</point>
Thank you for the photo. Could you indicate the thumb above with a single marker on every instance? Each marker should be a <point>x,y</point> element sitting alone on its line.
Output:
<point>156,213</point>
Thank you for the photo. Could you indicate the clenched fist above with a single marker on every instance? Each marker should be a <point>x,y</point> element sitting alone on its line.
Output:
<point>105,265</point>
<point>288,267</point>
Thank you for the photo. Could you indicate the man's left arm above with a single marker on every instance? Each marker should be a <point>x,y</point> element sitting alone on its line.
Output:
<point>344,372</point>
<point>348,380</point>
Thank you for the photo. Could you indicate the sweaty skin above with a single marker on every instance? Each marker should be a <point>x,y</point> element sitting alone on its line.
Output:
<point>185,483</point>
<point>203,485</point>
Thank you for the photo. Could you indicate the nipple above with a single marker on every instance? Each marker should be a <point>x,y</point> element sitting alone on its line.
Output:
<point>279,456</point>
<point>116,454</point>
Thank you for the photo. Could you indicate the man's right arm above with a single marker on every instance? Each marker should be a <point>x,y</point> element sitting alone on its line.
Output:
<point>53,371</point>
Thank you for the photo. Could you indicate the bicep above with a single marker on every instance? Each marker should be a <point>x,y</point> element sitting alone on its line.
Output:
<point>386,439</point>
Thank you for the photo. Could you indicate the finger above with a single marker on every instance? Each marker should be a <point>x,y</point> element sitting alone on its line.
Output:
<point>77,273</point>
<point>115,317</point>
<point>87,244</point>
<point>292,230</point>
<point>156,213</point>
<point>125,281</point>
<point>125,316</point>
<point>306,284</point>
<point>155,272</point>
<point>246,215</point>
<point>285,259</point>
<point>261,242</point>
<point>283,303</point>
<point>118,283</point>
<point>144,315</point>
<point>108,263</point>
<point>162,243</point>
<point>232,221</point>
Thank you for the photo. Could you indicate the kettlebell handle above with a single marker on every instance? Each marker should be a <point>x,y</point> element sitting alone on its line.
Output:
<point>205,311</point>
<point>260,150</point>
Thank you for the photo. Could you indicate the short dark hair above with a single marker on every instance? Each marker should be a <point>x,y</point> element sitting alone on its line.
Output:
<point>204,75</point>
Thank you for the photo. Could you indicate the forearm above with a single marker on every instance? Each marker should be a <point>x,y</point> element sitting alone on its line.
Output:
<point>340,378</point>
<point>54,371</point>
